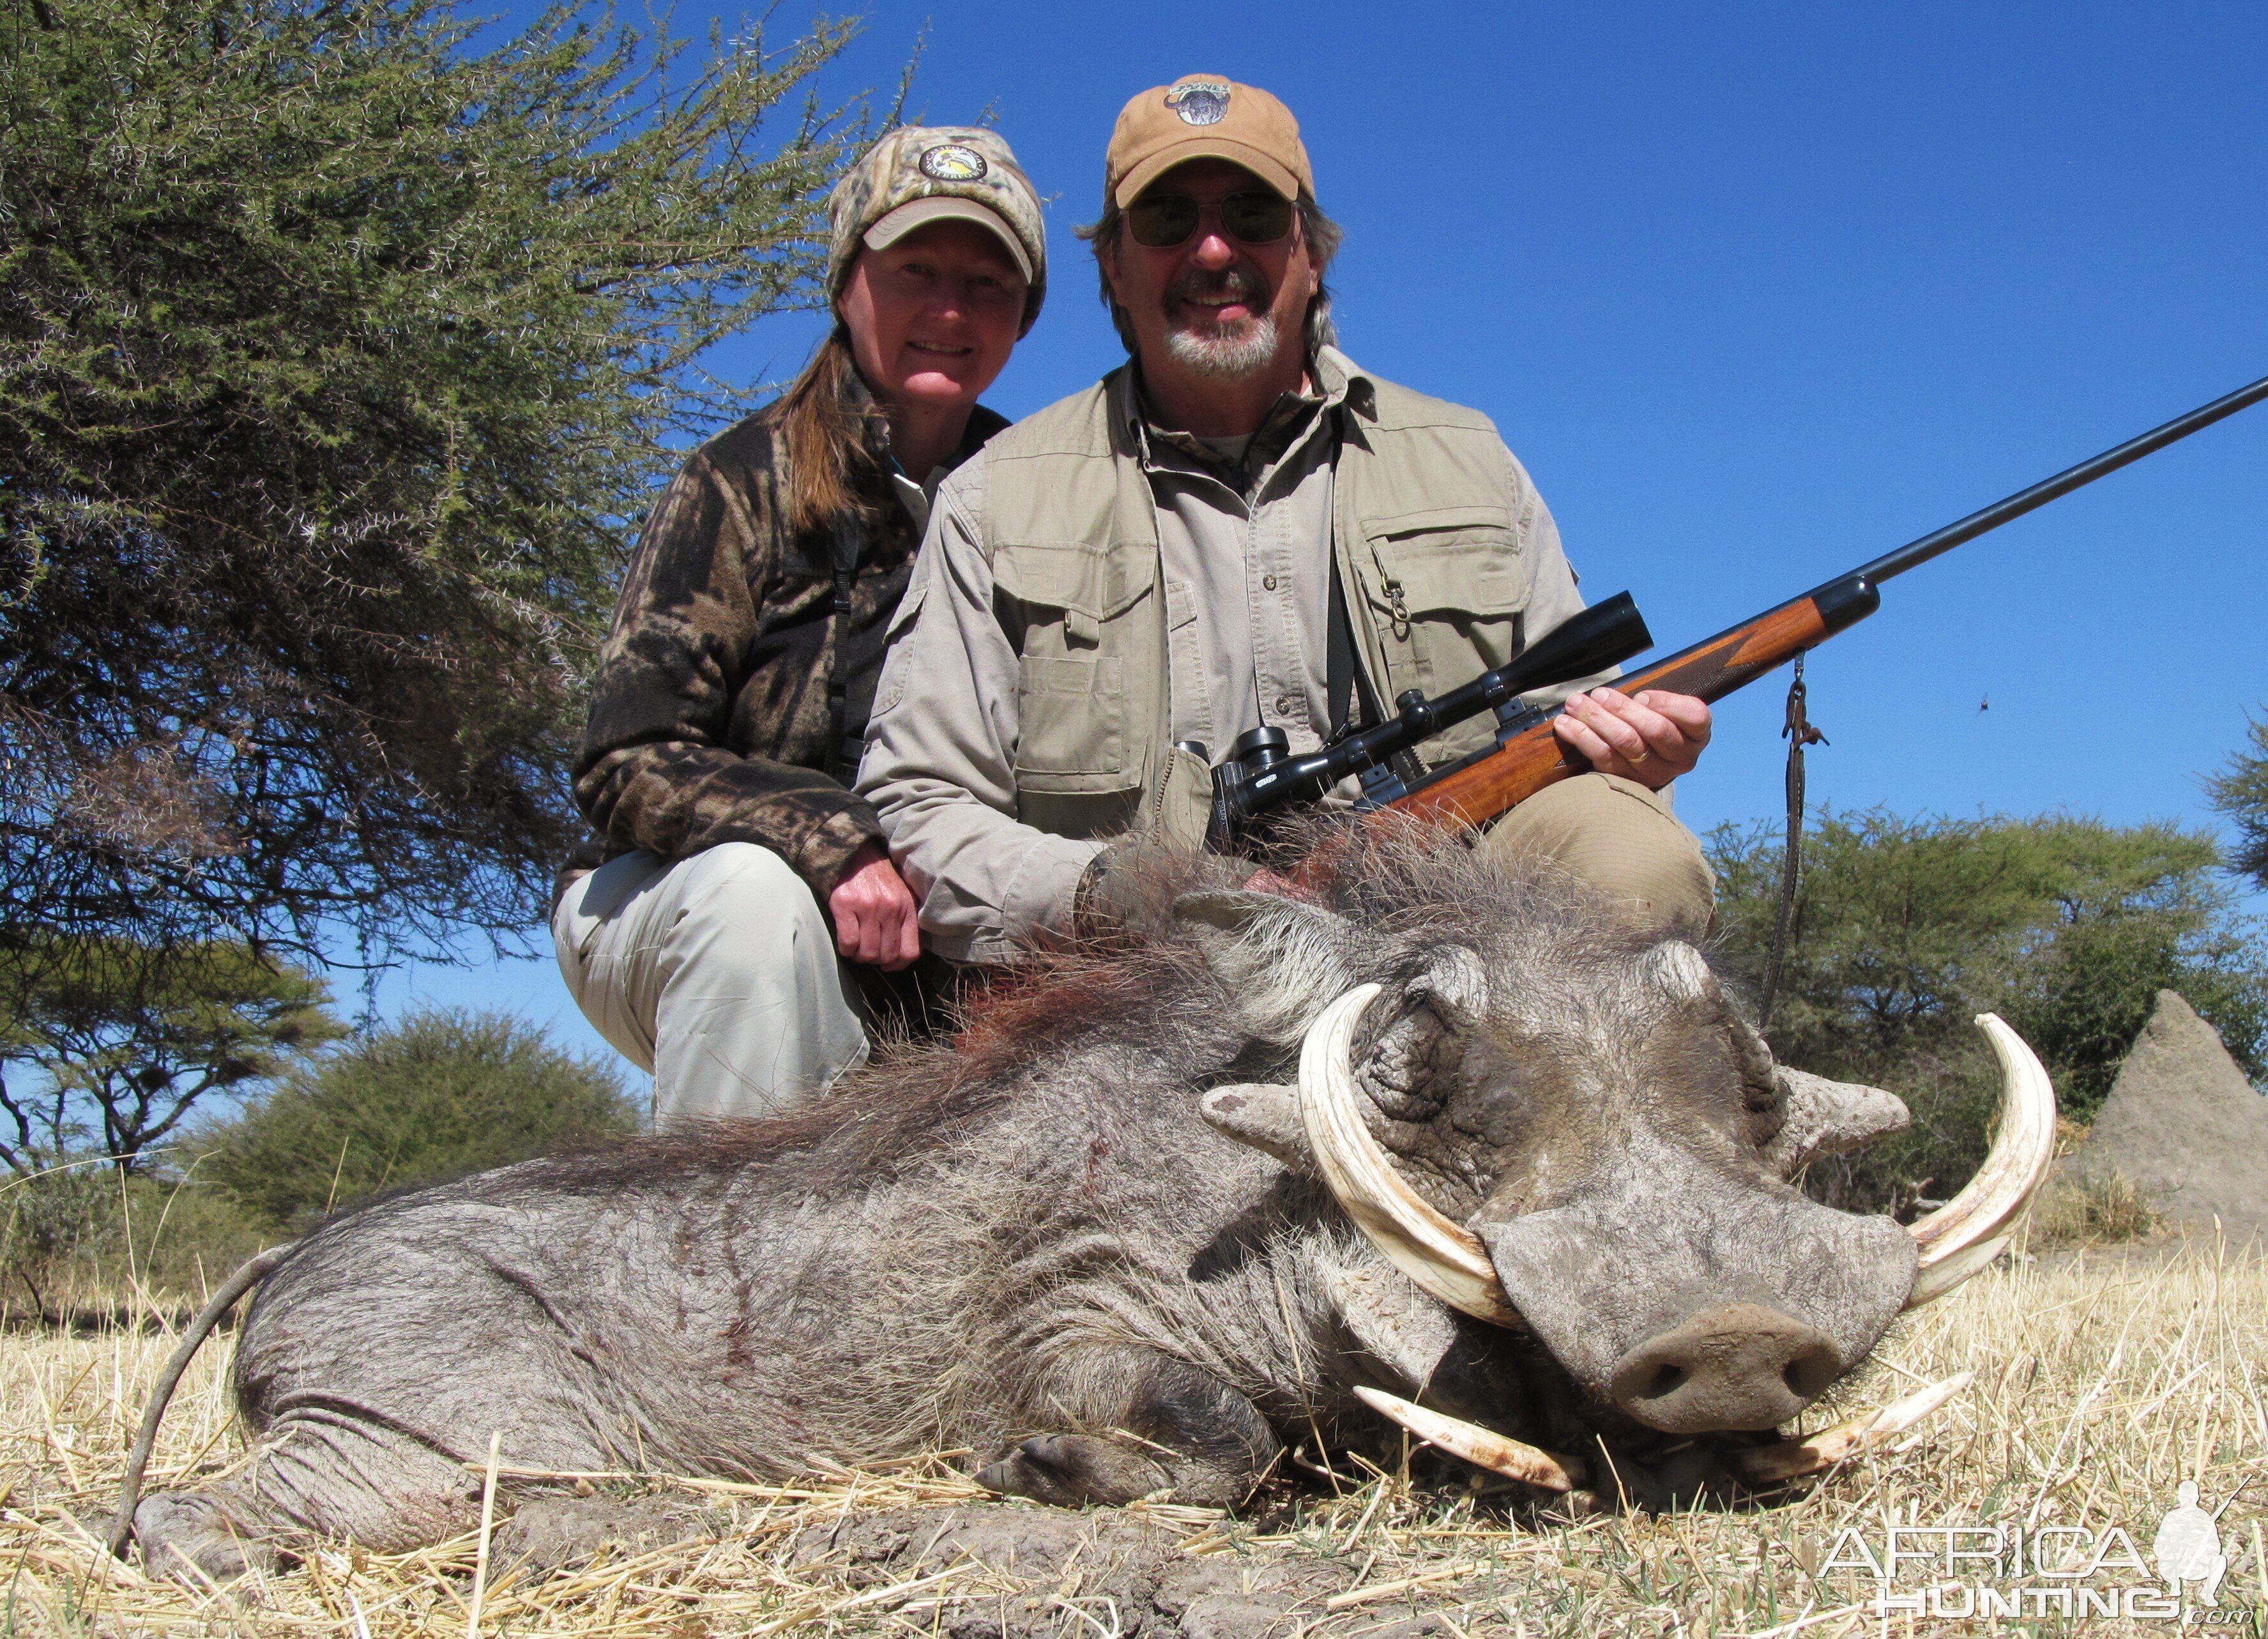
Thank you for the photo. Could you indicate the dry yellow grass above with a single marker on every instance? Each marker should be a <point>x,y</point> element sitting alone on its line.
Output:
<point>2084,1209</point>
<point>2102,1381</point>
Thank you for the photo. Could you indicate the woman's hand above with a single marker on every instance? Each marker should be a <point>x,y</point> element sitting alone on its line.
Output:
<point>1652,736</point>
<point>874,913</point>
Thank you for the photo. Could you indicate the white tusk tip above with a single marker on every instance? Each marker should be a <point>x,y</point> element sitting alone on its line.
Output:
<point>1484,1448</point>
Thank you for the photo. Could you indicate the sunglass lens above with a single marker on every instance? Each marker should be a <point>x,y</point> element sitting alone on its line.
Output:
<point>1162,222</point>
<point>1257,218</point>
<point>1168,219</point>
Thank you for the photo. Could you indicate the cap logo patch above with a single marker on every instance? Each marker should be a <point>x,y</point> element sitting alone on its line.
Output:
<point>1199,101</point>
<point>952,162</point>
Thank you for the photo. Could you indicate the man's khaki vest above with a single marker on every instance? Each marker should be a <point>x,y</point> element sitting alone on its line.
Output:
<point>1427,545</point>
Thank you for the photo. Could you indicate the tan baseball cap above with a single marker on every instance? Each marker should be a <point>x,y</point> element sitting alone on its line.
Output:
<point>923,173</point>
<point>1206,116</point>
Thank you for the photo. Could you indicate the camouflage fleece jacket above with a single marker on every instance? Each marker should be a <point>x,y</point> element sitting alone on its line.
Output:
<point>714,715</point>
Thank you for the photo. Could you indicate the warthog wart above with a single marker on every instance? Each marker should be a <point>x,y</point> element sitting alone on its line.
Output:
<point>1230,1177</point>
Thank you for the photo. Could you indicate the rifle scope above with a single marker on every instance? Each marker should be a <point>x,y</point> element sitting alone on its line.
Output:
<point>1260,774</point>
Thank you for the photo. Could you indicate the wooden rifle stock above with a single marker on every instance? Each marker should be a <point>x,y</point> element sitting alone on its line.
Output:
<point>1477,790</point>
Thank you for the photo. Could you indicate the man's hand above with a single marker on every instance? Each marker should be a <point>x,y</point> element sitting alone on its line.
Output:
<point>1651,736</point>
<point>874,912</point>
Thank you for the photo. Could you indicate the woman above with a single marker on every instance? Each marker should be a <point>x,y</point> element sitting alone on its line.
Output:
<point>742,877</point>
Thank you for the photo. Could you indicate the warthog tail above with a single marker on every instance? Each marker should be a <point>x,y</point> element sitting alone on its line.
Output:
<point>255,1269</point>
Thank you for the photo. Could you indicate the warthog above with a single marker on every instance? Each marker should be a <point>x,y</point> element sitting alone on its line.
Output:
<point>1235,1177</point>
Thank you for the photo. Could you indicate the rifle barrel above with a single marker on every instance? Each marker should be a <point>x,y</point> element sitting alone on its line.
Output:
<point>1489,783</point>
<point>2046,489</point>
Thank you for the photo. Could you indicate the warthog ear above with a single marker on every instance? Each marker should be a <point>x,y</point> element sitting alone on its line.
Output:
<point>1827,1117</point>
<point>1281,960</point>
<point>1264,1115</point>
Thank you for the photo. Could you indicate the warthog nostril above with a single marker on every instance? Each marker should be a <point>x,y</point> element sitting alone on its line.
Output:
<point>1811,1372</point>
<point>1742,1366</point>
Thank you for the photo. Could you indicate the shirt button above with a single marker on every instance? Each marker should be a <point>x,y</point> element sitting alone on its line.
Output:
<point>1282,705</point>
<point>1269,581</point>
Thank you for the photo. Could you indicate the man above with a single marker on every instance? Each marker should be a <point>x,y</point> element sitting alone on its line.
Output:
<point>1177,555</point>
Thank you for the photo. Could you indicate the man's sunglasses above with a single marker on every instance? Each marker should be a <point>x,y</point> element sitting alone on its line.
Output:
<point>1161,221</point>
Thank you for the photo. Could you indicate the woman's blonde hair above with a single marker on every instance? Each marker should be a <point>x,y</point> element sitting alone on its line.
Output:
<point>823,429</point>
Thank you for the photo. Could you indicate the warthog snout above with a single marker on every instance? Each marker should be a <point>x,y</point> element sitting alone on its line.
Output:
<point>1739,1366</point>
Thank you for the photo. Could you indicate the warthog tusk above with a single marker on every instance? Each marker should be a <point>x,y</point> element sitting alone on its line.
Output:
<point>1446,1259</point>
<point>1528,1464</point>
<point>1761,1466</point>
<point>1791,1459</point>
<point>1967,1232</point>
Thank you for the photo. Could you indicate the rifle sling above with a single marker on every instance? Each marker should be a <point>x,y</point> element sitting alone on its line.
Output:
<point>1348,685</point>
<point>1339,667</point>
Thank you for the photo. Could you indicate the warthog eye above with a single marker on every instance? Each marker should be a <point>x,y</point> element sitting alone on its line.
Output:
<point>1412,1068</point>
<point>1408,1073</point>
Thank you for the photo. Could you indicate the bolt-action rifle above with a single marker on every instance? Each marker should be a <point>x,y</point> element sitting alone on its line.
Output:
<point>1259,774</point>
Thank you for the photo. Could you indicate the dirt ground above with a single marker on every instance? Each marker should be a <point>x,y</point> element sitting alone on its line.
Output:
<point>2103,1381</point>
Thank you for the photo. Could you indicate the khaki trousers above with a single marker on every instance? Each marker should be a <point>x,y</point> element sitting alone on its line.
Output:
<point>717,974</point>
<point>1622,840</point>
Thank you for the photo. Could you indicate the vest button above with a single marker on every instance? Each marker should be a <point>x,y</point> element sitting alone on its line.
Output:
<point>1282,705</point>
<point>1269,581</point>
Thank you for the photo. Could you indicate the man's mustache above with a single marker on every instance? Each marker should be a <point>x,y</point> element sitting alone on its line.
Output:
<point>1228,282</point>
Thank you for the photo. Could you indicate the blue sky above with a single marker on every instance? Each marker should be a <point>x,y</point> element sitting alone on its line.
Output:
<point>1756,293</point>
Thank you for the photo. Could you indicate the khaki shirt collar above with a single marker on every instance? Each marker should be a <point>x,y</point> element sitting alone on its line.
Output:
<point>1336,383</point>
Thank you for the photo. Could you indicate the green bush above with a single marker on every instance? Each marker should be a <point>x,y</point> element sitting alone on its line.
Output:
<point>441,1094</point>
<point>1905,928</point>
<point>82,1241</point>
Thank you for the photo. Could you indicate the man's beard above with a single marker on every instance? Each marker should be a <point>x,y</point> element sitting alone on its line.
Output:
<point>1229,351</point>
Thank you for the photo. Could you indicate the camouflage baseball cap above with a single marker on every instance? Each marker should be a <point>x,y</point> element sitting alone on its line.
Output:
<point>923,173</point>
<point>1206,116</point>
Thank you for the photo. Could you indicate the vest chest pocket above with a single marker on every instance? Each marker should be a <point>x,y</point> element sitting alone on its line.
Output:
<point>1074,611</point>
<point>1071,723</point>
<point>1444,591</point>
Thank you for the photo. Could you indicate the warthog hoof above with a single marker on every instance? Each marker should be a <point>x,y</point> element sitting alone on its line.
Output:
<point>1071,1470</point>
<point>191,1537</point>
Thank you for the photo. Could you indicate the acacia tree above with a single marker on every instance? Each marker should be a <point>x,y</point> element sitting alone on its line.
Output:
<point>338,349</point>
<point>2241,792</point>
<point>122,1042</point>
